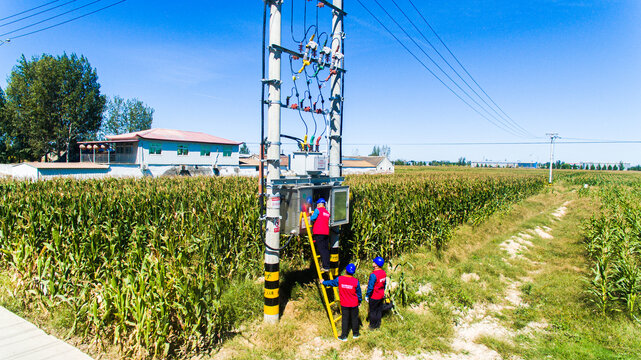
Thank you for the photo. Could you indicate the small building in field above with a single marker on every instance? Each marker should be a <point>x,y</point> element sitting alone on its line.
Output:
<point>163,152</point>
<point>367,165</point>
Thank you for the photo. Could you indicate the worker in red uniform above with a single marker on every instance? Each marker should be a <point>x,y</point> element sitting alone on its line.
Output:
<point>349,292</point>
<point>320,229</point>
<point>376,292</point>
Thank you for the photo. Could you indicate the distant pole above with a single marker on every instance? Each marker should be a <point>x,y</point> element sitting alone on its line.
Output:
<point>272,236</point>
<point>553,136</point>
<point>335,141</point>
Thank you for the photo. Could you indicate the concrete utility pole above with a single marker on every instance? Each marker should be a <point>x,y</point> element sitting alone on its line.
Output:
<point>336,109</point>
<point>272,236</point>
<point>553,136</point>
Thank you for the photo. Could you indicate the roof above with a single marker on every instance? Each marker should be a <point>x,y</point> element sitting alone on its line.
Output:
<point>362,161</point>
<point>254,160</point>
<point>62,165</point>
<point>173,135</point>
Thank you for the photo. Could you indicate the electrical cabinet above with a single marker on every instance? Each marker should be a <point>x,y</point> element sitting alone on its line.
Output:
<point>293,201</point>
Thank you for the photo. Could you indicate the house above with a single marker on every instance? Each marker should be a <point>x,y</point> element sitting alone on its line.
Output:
<point>158,152</point>
<point>367,165</point>
<point>250,164</point>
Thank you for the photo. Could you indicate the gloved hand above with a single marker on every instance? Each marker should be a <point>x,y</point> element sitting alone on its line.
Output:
<point>366,299</point>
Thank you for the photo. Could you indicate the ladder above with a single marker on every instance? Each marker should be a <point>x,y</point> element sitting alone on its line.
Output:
<point>328,305</point>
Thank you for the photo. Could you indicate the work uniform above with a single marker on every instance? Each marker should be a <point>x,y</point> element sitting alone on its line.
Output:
<point>376,293</point>
<point>320,229</point>
<point>349,292</point>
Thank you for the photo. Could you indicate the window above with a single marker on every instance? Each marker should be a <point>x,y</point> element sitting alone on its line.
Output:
<point>155,148</point>
<point>205,150</point>
<point>227,149</point>
<point>183,150</point>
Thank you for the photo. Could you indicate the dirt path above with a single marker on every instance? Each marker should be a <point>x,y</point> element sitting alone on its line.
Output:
<point>482,320</point>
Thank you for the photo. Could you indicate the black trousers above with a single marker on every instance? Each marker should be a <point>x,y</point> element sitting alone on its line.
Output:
<point>349,321</point>
<point>375,313</point>
<point>322,248</point>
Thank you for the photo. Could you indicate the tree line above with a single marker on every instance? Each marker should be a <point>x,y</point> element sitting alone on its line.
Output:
<point>53,102</point>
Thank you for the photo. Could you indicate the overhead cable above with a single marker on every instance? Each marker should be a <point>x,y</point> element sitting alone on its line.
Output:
<point>433,74</point>
<point>70,20</point>
<point>507,121</point>
<point>26,11</point>
<point>463,67</point>
<point>38,13</point>
<point>507,126</point>
<point>50,18</point>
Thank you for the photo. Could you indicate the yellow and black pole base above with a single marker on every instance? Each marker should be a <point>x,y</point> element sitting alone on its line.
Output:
<point>271,290</point>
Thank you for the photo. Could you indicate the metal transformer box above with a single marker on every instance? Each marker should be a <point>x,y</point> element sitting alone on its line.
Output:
<point>294,201</point>
<point>308,163</point>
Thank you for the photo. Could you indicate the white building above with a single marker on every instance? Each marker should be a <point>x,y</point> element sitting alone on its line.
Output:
<point>367,165</point>
<point>48,170</point>
<point>158,152</point>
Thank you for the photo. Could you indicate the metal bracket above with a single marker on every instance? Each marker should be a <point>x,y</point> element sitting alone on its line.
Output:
<point>335,137</point>
<point>279,48</point>
<point>330,5</point>
<point>271,82</point>
<point>269,102</point>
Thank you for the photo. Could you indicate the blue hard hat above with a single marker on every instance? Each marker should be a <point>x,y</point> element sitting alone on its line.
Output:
<point>379,261</point>
<point>321,201</point>
<point>310,200</point>
<point>350,269</point>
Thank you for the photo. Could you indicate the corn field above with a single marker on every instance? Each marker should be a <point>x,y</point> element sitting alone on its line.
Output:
<point>146,264</point>
<point>613,244</point>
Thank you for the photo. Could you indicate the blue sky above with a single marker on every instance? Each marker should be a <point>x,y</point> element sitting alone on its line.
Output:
<point>572,67</point>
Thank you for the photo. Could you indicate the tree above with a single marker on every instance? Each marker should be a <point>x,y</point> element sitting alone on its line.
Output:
<point>244,149</point>
<point>52,102</point>
<point>382,150</point>
<point>126,116</point>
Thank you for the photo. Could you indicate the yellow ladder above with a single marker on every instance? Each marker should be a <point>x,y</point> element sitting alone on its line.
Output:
<point>328,305</point>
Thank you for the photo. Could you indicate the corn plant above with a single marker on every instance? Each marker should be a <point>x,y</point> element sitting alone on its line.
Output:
<point>144,263</point>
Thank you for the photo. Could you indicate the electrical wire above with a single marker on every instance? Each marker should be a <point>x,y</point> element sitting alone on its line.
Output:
<point>26,11</point>
<point>50,18</point>
<point>432,72</point>
<point>507,126</point>
<point>38,13</point>
<point>507,121</point>
<point>461,65</point>
<point>70,20</point>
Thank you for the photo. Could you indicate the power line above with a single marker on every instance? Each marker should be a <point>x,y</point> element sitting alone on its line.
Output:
<point>461,65</point>
<point>50,18</point>
<point>495,143</point>
<point>507,122</point>
<point>443,71</point>
<point>70,20</point>
<point>431,72</point>
<point>26,11</point>
<point>38,13</point>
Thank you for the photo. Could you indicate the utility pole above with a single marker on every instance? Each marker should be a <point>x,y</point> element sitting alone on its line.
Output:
<point>336,109</point>
<point>272,236</point>
<point>553,136</point>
